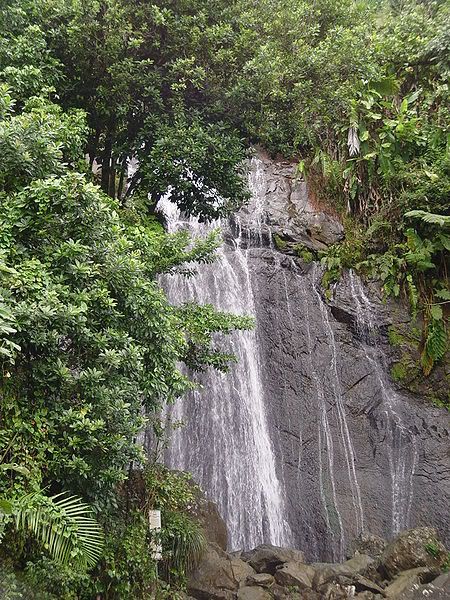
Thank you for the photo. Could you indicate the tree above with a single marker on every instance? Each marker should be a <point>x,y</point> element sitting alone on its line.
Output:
<point>87,335</point>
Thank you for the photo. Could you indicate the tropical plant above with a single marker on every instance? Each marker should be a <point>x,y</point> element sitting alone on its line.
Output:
<point>184,544</point>
<point>62,524</point>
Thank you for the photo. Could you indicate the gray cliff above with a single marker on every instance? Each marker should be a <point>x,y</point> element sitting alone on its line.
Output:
<point>306,442</point>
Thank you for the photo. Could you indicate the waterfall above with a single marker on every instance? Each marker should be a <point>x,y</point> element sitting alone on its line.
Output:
<point>225,441</point>
<point>402,451</point>
<point>305,442</point>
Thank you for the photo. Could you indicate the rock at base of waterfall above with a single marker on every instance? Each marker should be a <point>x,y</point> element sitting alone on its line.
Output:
<point>328,571</point>
<point>409,580</point>
<point>207,515</point>
<point>282,593</point>
<point>366,543</point>
<point>266,558</point>
<point>261,579</point>
<point>226,576</point>
<point>364,584</point>
<point>218,575</point>
<point>295,574</point>
<point>419,547</point>
<point>439,589</point>
<point>253,593</point>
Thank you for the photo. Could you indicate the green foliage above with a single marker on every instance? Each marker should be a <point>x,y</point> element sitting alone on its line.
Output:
<point>305,254</point>
<point>343,255</point>
<point>62,524</point>
<point>199,323</point>
<point>200,165</point>
<point>150,77</point>
<point>168,490</point>
<point>441,220</point>
<point>435,345</point>
<point>127,569</point>
<point>184,544</point>
<point>87,339</point>
<point>433,549</point>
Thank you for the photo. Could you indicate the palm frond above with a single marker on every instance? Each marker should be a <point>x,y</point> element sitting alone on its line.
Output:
<point>64,525</point>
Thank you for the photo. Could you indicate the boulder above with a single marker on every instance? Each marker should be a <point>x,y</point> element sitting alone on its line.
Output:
<point>366,543</point>
<point>411,549</point>
<point>443,582</point>
<point>407,581</point>
<point>282,593</point>
<point>327,571</point>
<point>217,576</point>
<point>296,575</point>
<point>253,593</point>
<point>241,570</point>
<point>261,579</point>
<point>336,591</point>
<point>363,584</point>
<point>438,589</point>
<point>266,558</point>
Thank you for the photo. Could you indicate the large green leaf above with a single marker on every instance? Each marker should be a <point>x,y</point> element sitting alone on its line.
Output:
<point>64,525</point>
<point>441,220</point>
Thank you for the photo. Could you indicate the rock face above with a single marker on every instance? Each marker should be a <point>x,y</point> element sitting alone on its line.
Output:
<point>288,211</point>
<point>205,512</point>
<point>307,442</point>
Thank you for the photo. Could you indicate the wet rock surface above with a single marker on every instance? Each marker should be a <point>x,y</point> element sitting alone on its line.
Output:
<point>352,449</point>
<point>294,579</point>
<point>287,210</point>
<point>313,443</point>
<point>267,558</point>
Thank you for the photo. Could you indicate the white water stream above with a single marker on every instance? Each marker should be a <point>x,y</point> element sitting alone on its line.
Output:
<point>225,442</point>
<point>402,452</point>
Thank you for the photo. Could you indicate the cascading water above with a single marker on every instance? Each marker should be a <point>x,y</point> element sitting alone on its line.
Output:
<point>305,441</point>
<point>225,442</point>
<point>402,450</point>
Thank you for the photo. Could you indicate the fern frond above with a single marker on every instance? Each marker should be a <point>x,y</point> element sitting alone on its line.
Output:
<point>427,217</point>
<point>435,344</point>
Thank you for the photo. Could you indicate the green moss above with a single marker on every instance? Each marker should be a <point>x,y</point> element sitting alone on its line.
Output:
<point>399,371</point>
<point>432,548</point>
<point>439,402</point>
<point>280,244</point>
<point>404,336</point>
<point>305,253</point>
<point>395,338</point>
<point>446,565</point>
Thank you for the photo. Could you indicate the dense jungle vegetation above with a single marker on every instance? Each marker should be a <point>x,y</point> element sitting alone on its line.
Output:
<point>355,92</point>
